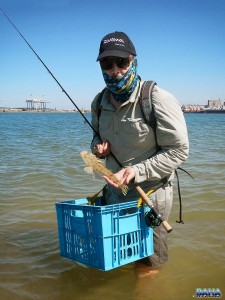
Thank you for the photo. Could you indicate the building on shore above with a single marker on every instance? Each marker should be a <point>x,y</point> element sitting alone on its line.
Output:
<point>36,104</point>
<point>214,106</point>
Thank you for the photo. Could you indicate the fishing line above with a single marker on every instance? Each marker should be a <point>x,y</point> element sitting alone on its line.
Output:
<point>59,84</point>
<point>63,90</point>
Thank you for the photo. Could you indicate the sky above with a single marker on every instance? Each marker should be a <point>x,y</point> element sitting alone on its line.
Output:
<point>179,43</point>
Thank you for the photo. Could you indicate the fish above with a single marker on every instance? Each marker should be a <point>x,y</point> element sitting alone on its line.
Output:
<point>93,164</point>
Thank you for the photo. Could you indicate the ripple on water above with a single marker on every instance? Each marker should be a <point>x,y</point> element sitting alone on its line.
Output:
<point>41,166</point>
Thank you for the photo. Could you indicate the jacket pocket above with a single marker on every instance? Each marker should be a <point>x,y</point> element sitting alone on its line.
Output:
<point>135,130</point>
<point>134,126</point>
<point>104,122</point>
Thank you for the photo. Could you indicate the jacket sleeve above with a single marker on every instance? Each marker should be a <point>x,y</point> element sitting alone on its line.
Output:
<point>94,121</point>
<point>172,138</point>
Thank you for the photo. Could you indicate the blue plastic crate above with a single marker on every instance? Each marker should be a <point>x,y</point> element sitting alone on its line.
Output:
<point>103,237</point>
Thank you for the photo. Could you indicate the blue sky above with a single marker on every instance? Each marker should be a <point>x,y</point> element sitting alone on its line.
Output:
<point>180,44</point>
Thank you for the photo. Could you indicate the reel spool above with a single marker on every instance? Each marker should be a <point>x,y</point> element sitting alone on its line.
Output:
<point>153,219</point>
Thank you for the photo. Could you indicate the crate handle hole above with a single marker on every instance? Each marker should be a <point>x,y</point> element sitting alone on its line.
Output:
<point>76,213</point>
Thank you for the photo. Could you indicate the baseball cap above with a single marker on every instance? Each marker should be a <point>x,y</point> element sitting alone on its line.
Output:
<point>116,44</point>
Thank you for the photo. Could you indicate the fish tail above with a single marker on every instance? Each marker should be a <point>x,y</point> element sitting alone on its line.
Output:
<point>124,189</point>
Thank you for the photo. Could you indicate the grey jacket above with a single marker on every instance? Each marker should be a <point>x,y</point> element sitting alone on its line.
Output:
<point>133,142</point>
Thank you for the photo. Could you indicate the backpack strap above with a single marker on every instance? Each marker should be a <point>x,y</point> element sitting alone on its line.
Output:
<point>98,107</point>
<point>146,103</point>
<point>99,101</point>
<point>147,110</point>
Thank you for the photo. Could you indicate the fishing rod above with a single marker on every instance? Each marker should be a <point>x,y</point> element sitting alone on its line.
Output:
<point>59,84</point>
<point>138,188</point>
<point>56,80</point>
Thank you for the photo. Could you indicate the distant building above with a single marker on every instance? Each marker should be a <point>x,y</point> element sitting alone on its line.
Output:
<point>215,103</point>
<point>217,106</point>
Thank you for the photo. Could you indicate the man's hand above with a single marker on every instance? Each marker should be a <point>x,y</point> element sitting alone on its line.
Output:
<point>102,149</point>
<point>124,176</point>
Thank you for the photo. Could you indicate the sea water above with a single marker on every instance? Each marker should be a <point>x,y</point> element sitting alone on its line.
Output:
<point>40,165</point>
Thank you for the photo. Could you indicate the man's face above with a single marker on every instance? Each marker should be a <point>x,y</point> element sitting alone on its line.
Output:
<point>114,66</point>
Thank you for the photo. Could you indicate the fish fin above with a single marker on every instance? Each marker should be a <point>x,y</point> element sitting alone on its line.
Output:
<point>89,170</point>
<point>92,172</point>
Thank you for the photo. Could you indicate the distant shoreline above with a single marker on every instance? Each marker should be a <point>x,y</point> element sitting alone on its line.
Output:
<point>18,110</point>
<point>206,111</point>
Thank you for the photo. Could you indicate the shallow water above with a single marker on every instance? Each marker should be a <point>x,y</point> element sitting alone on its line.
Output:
<point>40,165</point>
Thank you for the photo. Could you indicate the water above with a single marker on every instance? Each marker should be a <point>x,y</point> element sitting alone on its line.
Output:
<point>40,165</point>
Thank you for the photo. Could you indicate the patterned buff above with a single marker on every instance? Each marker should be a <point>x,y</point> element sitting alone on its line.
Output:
<point>122,88</point>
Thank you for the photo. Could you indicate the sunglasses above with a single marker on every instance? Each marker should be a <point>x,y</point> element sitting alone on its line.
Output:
<point>107,63</point>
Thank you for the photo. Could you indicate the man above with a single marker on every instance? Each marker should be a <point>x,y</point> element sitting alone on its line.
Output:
<point>148,156</point>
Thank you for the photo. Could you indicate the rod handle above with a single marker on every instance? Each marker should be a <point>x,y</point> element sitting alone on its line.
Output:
<point>165,224</point>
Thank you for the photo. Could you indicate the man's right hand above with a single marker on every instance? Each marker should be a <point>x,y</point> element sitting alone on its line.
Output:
<point>102,149</point>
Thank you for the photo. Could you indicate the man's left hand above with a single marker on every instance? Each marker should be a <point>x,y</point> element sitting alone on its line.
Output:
<point>124,176</point>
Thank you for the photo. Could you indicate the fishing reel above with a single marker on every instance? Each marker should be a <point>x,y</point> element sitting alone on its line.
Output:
<point>153,219</point>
